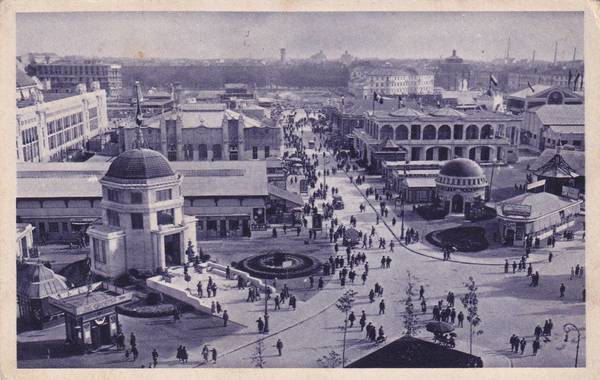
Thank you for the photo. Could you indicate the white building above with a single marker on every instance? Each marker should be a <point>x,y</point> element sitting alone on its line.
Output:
<point>143,223</point>
<point>51,130</point>
<point>389,81</point>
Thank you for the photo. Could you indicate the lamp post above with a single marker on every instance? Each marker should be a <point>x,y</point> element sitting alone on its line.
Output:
<point>266,328</point>
<point>324,177</point>
<point>568,327</point>
<point>402,216</point>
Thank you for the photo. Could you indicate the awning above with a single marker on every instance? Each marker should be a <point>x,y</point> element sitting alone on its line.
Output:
<point>419,182</point>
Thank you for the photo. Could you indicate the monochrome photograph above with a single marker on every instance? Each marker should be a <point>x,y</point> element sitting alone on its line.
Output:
<point>300,190</point>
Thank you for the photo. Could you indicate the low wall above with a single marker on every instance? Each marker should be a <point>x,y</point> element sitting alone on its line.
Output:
<point>201,304</point>
<point>253,280</point>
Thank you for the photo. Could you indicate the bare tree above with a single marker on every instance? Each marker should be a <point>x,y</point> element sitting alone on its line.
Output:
<point>470,302</point>
<point>258,357</point>
<point>344,304</point>
<point>331,360</point>
<point>410,317</point>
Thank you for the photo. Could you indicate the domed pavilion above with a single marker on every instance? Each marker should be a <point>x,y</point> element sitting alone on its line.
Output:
<point>459,183</point>
<point>143,224</point>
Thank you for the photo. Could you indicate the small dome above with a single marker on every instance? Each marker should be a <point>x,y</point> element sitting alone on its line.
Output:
<point>462,167</point>
<point>139,165</point>
<point>36,281</point>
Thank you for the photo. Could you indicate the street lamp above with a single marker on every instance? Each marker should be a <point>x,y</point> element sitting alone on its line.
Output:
<point>568,327</point>
<point>266,328</point>
<point>402,216</point>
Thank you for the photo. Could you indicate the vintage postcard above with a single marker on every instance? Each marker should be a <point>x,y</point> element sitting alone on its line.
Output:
<point>295,186</point>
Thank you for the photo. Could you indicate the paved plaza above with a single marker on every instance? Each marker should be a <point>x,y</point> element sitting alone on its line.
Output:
<point>508,305</point>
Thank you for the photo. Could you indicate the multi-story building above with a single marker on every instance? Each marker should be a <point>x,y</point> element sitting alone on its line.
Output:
<point>452,72</point>
<point>550,77</point>
<point>554,124</point>
<point>52,130</point>
<point>226,198</point>
<point>207,132</point>
<point>389,81</point>
<point>64,75</point>
<point>539,94</point>
<point>442,134</point>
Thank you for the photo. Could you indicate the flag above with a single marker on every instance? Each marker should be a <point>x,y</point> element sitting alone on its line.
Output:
<point>570,78</point>
<point>530,86</point>
<point>493,80</point>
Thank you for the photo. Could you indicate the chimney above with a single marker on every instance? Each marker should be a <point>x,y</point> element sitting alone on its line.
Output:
<point>574,53</point>
<point>533,57</point>
<point>555,51</point>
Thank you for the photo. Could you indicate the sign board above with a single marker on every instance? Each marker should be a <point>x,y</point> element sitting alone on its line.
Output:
<point>536,184</point>
<point>570,192</point>
<point>303,186</point>
<point>516,209</point>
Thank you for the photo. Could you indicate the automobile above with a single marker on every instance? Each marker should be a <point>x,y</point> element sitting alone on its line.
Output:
<point>337,203</point>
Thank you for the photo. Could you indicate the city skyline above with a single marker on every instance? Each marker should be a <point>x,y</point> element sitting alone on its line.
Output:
<point>234,35</point>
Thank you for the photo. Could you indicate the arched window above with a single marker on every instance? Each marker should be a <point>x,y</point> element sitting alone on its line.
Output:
<point>487,132</point>
<point>472,132</point>
<point>429,132</point>
<point>217,152</point>
<point>387,132</point>
<point>402,132</point>
<point>444,133</point>
<point>202,152</point>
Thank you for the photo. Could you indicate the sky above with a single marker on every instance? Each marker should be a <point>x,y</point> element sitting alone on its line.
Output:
<point>475,36</point>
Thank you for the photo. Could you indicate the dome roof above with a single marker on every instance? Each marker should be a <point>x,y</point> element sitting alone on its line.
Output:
<point>136,165</point>
<point>462,167</point>
<point>36,281</point>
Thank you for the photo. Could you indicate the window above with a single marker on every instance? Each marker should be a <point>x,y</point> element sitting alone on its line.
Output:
<point>137,221</point>
<point>576,143</point>
<point>217,152</point>
<point>113,218</point>
<point>254,152</point>
<point>65,227</point>
<point>165,217</point>
<point>136,198</point>
<point>99,251</point>
<point>163,195</point>
<point>202,152</point>
<point>267,151</point>
<point>113,195</point>
<point>53,227</point>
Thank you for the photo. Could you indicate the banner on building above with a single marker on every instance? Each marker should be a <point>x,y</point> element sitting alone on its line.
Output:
<point>570,192</point>
<point>516,209</point>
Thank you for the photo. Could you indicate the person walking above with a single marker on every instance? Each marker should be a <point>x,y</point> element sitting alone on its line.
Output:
<point>205,352</point>
<point>260,324</point>
<point>562,290</point>
<point>506,266</point>
<point>154,357</point>
<point>132,340</point>
<point>522,345</point>
<point>320,283</point>
<point>460,317</point>
<point>421,293</point>
<point>362,321</point>
<point>423,306</point>
<point>276,300</point>
<point>214,355</point>
<point>536,346</point>
<point>135,353</point>
<point>225,318</point>
<point>279,346</point>
<point>382,307</point>
<point>351,319</point>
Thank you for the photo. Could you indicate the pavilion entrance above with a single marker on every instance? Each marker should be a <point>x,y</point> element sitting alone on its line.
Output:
<point>172,249</point>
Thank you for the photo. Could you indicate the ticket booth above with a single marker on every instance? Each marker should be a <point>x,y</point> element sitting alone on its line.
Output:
<point>91,318</point>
